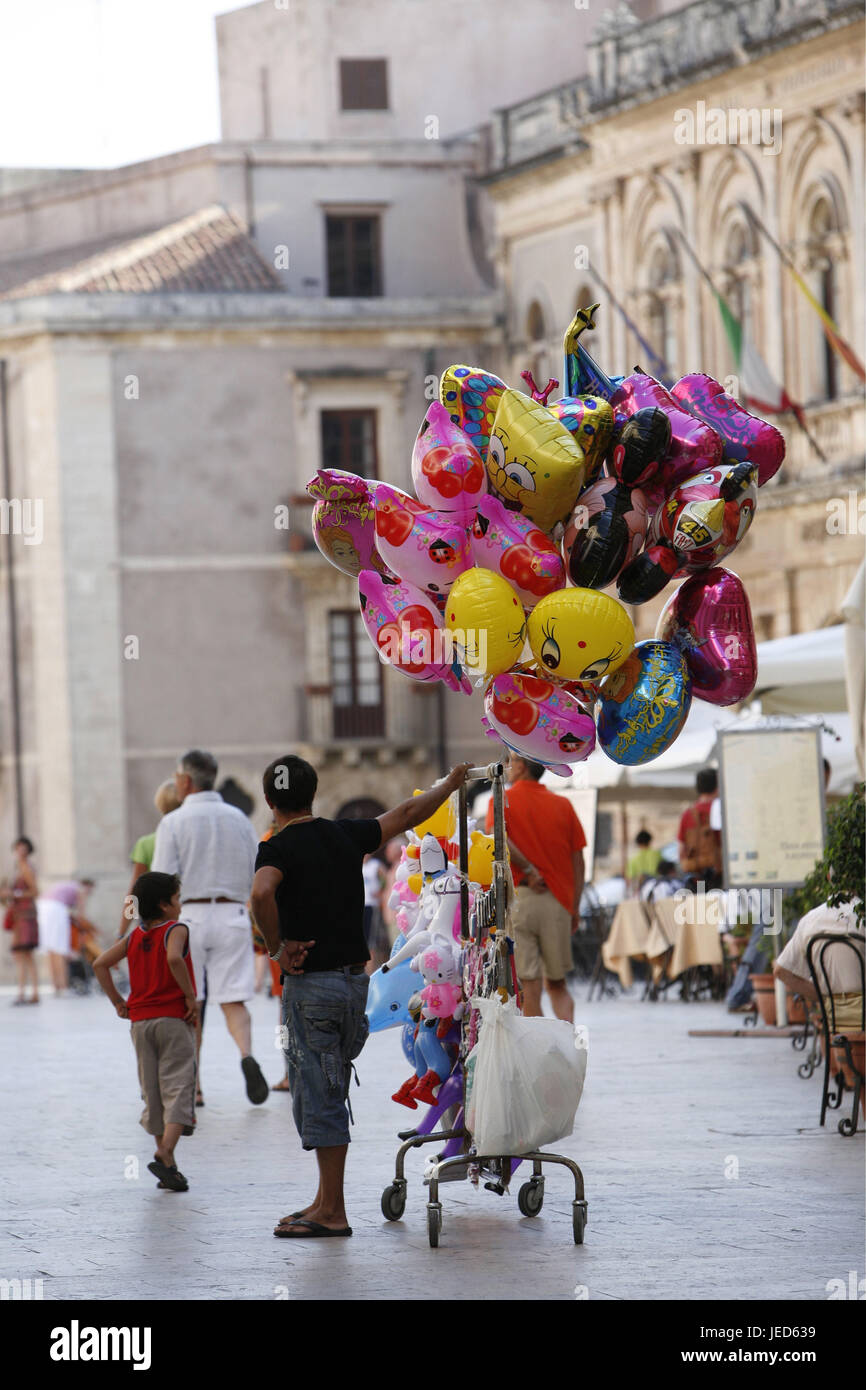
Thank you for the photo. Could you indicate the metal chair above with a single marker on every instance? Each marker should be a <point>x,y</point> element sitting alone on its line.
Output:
<point>834,1038</point>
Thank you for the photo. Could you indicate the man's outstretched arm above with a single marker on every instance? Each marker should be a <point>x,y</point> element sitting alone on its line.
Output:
<point>417,808</point>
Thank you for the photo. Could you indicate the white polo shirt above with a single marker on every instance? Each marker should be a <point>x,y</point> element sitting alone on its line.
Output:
<point>212,847</point>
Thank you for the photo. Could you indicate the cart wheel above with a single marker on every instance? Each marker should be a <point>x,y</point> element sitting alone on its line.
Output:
<point>394,1201</point>
<point>578,1218</point>
<point>434,1223</point>
<point>530,1198</point>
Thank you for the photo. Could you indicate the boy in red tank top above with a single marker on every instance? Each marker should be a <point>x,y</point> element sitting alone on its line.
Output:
<point>163,1012</point>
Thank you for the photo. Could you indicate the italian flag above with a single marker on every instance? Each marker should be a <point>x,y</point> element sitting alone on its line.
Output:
<point>759,386</point>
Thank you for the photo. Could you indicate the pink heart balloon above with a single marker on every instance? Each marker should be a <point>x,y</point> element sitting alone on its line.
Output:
<point>513,546</point>
<point>709,619</point>
<point>447,469</point>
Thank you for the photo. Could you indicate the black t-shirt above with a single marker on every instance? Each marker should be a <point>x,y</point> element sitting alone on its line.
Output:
<point>321,896</point>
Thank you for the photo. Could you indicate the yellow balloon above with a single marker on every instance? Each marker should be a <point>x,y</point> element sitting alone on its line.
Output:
<point>416,883</point>
<point>481,849</point>
<point>533,462</point>
<point>442,823</point>
<point>580,634</point>
<point>487,622</point>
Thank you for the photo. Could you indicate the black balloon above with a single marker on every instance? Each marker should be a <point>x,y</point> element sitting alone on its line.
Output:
<point>641,445</point>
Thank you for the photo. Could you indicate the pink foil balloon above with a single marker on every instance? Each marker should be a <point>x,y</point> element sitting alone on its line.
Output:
<point>744,436</point>
<point>447,469</point>
<point>407,631</point>
<point>344,521</point>
<point>426,548</point>
<point>513,546</point>
<point>694,446</point>
<point>539,720</point>
<point>709,619</point>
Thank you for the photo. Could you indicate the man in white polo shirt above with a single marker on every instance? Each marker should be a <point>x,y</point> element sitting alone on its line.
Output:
<point>212,847</point>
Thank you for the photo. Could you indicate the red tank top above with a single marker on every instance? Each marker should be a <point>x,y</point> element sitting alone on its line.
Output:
<point>153,990</point>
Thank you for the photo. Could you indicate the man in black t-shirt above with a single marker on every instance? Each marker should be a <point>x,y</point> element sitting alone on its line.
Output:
<point>308,903</point>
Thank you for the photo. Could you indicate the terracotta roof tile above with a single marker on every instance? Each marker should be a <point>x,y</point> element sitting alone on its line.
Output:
<point>206,252</point>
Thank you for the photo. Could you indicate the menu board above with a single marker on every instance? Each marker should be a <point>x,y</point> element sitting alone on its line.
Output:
<point>772,797</point>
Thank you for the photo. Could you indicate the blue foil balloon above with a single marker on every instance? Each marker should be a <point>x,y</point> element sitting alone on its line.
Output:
<point>389,995</point>
<point>644,704</point>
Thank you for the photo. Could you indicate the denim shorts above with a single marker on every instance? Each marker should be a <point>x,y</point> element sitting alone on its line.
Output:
<point>325,1020</point>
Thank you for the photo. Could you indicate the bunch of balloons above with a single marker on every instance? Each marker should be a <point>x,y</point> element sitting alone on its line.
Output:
<point>525,512</point>
<point>420,987</point>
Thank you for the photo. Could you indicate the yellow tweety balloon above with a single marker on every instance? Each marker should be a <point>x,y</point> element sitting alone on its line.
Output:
<point>487,621</point>
<point>533,463</point>
<point>442,823</point>
<point>580,634</point>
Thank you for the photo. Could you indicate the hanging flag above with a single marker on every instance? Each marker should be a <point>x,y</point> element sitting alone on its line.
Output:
<point>760,388</point>
<point>656,365</point>
<point>831,331</point>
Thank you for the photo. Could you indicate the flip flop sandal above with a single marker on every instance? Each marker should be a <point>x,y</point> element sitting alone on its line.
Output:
<point>309,1230</point>
<point>257,1086</point>
<point>287,1220</point>
<point>199,1098</point>
<point>169,1177</point>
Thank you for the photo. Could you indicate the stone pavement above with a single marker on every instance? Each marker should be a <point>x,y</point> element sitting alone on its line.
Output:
<point>706,1173</point>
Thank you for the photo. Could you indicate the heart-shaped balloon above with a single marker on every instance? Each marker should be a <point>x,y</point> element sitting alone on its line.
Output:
<point>644,704</point>
<point>694,446</point>
<point>709,619</point>
<point>514,547</point>
<point>744,436</point>
<point>447,469</point>
<point>426,548</point>
<point>407,631</point>
<point>538,720</point>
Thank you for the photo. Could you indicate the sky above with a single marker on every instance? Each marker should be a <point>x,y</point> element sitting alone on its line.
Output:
<point>96,83</point>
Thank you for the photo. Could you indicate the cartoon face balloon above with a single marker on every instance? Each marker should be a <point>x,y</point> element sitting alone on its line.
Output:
<point>426,548</point>
<point>471,396</point>
<point>533,464</point>
<point>641,445</point>
<point>580,634</point>
<point>709,619</point>
<point>513,546</point>
<point>606,530</point>
<point>701,522</point>
<point>344,521</point>
<point>743,435</point>
<point>487,621</point>
<point>694,446</point>
<point>406,630</point>
<point>538,720</point>
<point>447,469</point>
<point>644,704</point>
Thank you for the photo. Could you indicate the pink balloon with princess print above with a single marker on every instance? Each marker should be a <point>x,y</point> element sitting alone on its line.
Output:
<point>539,720</point>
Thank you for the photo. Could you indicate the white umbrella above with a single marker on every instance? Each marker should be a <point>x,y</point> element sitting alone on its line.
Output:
<point>803,673</point>
<point>854,613</point>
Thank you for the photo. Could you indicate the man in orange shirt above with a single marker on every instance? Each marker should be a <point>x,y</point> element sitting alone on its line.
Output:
<point>546,842</point>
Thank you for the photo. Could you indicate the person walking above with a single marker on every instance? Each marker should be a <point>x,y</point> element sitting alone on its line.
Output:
<point>700,843</point>
<point>141,854</point>
<point>21,920</point>
<point>309,876</point>
<point>163,1012</point>
<point>211,847</point>
<point>546,842</point>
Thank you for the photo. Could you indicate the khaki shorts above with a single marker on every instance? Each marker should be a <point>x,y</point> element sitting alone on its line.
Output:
<point>165,1048</point>
<point>542,936</point>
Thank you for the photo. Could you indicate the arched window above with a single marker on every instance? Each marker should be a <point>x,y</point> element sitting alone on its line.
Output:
<point>738,279</point>
<point>536,333</point>
<point>822,231</point>
<point>663,273</point>
<point>536,328</point>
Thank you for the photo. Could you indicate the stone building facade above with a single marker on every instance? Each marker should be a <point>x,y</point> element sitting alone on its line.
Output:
<point>186,340</point>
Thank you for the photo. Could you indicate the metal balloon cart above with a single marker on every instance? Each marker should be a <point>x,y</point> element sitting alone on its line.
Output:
<point>488,963</point>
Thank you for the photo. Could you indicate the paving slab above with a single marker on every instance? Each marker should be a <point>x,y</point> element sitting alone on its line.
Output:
<point>707,1174</point>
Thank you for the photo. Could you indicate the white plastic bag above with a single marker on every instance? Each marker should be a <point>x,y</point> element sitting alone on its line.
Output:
<point>524,1079</point>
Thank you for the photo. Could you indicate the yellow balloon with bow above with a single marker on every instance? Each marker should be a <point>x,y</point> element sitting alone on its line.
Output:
<point>481,852</point>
